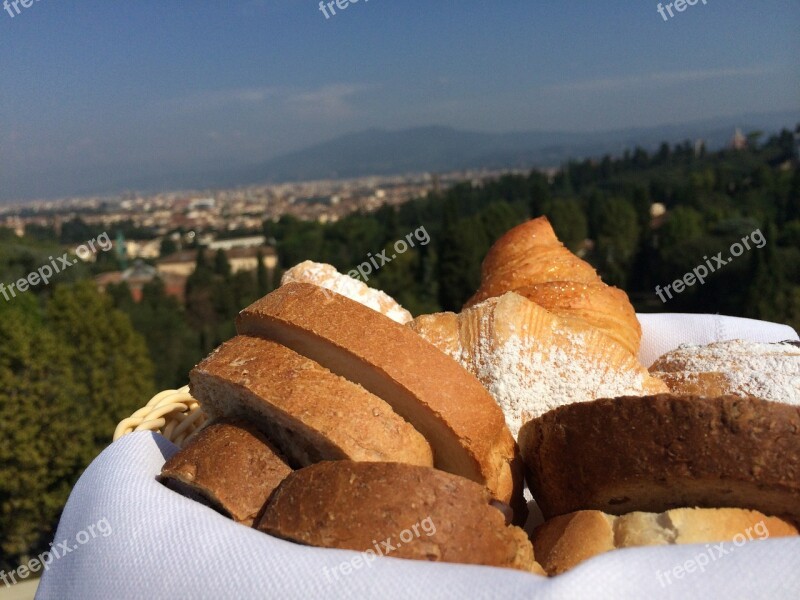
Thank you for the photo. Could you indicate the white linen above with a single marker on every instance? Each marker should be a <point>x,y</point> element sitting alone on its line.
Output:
<point>160,545</point>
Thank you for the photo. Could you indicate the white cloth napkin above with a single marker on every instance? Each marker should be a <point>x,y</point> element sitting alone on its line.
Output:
<point>135,539</point>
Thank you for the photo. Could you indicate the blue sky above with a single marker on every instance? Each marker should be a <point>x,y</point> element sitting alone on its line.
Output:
<point>155,86</point>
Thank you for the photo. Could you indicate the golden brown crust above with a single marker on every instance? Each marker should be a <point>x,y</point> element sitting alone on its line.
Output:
<point>422,513</point>
<point>661,452</point>
<point>604,307</point>
<point>528,254</point>
<point>229,466</point>
<point>530,260</point>
<point>326,416</point>
<point>433,392</point>
<point>565,541</point>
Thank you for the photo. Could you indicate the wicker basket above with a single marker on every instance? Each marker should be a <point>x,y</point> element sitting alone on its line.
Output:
<point>175,414</point>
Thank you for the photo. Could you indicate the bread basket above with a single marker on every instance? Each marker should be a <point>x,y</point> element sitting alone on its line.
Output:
<point>175,414</point>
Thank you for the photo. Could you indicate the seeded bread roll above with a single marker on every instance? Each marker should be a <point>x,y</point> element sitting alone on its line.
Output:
<point>310,413</point>
<point>229,466</point>
<point>661,452</point>
<point>566,541</point>
<point>396,510</point>
<point>448,405</point>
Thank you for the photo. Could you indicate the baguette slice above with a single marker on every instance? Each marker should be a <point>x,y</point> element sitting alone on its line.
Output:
<point>566,541</point>
<point>661,452</point>
<point>396,510</point>
<point>309,412</point>
<point>229,466</point>
<point>432,391</point>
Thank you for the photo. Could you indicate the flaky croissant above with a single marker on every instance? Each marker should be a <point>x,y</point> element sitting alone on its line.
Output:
<point>532,360</point>
<point>531,261</point>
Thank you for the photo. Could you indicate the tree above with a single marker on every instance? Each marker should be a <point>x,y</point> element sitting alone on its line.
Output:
<point>161,321</point>
<point>221,265</point>
<point>263,283</point>
<point>44,439</point>
<point>683,223</point>
<point>617,239</point>
<point>167,247</point>
<point>461,248</point>
<point>108,359</point>
<point>569,222</point>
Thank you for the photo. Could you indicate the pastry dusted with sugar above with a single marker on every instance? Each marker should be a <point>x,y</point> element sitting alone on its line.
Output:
<point>326,276</point>
<point>531,261</point>
<point>739,368</point>
<point>531,360</point>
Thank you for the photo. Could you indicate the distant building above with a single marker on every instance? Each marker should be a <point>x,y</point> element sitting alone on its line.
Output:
<point>139,275</point>
<point>202,204</point>
<point>699,147</point>
<point>145,249</point>
<point>240,259</point>
<point>255,241</point>
<point>739,141</point>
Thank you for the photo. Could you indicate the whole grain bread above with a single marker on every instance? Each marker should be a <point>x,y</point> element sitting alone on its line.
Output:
<point>310,413</point>
<point>661,452</point>
<point>229,466</point>
<point>566,541</point>
<point>444,402</point>
<point>402,511</point>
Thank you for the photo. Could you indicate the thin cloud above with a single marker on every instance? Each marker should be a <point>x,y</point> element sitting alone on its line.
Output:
<point>216,99</point>
<point>333,100</point>
<point>328,101</point>
<point>614,84</point>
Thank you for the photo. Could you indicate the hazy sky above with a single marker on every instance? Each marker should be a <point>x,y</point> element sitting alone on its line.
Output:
<point>157,86</point>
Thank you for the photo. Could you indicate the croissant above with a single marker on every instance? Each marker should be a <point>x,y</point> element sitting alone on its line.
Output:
<point>532,360</point>
<point>531,261</point>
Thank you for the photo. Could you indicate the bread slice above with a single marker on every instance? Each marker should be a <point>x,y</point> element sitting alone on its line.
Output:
<point>309,412</point>
<point>229,466</point>
<point>433,392</point>
<point>328,277</point>
<point>531,360</point>
<point>402,511</point>
<point>661,452</point>
<point>566,541</point>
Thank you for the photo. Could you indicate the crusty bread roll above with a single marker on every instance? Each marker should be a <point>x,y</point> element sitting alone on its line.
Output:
<point>229,466</point>
<point>735,367</point>
<point>309,412</point>
<point>328,277</point>
<point>531,360</point>
<point>530,260</point>
<point>445,403</point>
<point>661,452</point>
<point>564,542</point>
<point>419,513</point>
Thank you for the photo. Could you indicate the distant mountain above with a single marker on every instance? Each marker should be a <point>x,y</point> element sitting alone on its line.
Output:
<point>421,149</point>
<point>381,152</point>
